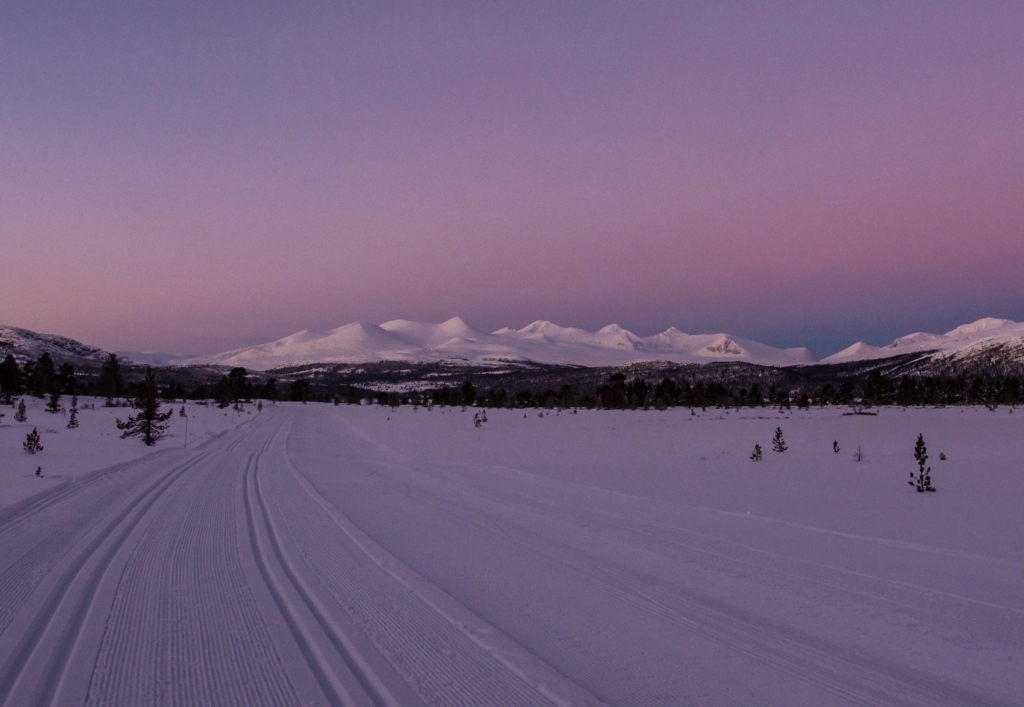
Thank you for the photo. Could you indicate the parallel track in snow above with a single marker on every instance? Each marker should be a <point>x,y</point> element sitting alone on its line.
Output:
<point>276,569</point>
<point>75,606</point>
<point>291,562</point>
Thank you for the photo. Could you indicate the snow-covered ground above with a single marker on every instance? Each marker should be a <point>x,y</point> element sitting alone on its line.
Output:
<point>315,554</point>
<point>95,444</point>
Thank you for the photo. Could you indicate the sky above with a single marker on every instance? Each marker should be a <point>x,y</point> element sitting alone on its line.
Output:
<point>196,176</point>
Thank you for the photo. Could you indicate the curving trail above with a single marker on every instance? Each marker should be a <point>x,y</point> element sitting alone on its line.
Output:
<point>295,560</point>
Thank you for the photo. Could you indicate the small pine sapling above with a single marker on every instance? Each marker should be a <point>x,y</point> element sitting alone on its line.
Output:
<point>259,406</point>
<point>835,446</point>
<point>54,404</point>
<point>21,415</point>
<point>858,455</point>
<point>778,444</point>
<point>39,471</point>
<point>942,456</point>
<point>756,456</point>
<point>923,481</point>
<point>31,445</point>
<point>181,413</point>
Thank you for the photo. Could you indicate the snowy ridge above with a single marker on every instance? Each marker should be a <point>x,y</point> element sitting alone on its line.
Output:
<point>964,341</point>
<point>540,342</point>
<point>25,344</point>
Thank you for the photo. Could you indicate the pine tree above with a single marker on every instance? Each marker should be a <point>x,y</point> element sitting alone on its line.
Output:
<point>756,456</point>
<point>73,416</point>
<point>778,444</point>
<point>835,446</point>
<point>54,404</point>
<point>110,384</point>
<point>10,378</point>
<point>923,482</point>
<point>66,379</point>
<point>41,377</point>
<point>31,444</point>
<point>149,423</point>
<point>21,415</point>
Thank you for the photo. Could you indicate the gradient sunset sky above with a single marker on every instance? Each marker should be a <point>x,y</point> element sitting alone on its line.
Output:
<point>192,177</point>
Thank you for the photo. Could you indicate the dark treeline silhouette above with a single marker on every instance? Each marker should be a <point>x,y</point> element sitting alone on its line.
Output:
<point>620,393</point>
<point>637,386</point>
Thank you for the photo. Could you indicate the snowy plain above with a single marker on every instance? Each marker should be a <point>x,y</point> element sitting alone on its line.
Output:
<point>314,554</point>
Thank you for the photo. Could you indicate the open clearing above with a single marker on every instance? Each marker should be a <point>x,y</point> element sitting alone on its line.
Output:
<point>313,554</point>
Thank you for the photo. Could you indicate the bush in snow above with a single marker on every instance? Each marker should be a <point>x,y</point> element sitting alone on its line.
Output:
<point>31,444</point>
<point>756,456</point>
<point>923,481</point>
<point>778,444</point>
<point>21,415</point>
<point>859,456</point>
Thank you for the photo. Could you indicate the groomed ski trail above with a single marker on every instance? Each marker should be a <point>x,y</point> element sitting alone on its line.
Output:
<point>216,576</point>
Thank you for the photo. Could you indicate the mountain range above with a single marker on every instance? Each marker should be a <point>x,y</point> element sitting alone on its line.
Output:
<point>454,340</point>
<point>540,342</point>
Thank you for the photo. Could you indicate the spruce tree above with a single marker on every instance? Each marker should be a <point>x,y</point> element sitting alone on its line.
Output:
<point>923,482</point>
<point>778,444</point>
<point>73,416</point>
<point>21,415</point>
<point>756,456</point>
<point>150,424</point>
<point>31,444</point>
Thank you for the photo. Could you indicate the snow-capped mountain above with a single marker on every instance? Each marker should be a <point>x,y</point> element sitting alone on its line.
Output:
<point>966,341</point>
<point>25,344</point>
<point>540,342</point>
<point>986,342</point>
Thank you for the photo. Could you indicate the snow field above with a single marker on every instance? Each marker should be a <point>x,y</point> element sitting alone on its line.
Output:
<point>96,443</point>
<point>315,554</point>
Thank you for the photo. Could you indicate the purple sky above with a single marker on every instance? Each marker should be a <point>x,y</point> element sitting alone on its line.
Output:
<point>188,179</point>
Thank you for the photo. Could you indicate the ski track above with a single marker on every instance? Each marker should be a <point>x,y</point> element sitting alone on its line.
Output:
<point>789,655</point>
<point>295,560</point>
<point>446,669</point>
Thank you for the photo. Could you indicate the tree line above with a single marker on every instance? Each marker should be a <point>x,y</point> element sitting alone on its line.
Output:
<point>42,378</point>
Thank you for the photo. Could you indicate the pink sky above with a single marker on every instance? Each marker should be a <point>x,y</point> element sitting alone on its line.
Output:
<point>191,180</point>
